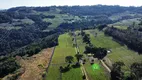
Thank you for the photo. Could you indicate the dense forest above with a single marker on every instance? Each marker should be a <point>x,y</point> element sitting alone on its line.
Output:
<point>98,9</point>
<point>29,39</point>
<point>101,12</point>
<point>15,38</point>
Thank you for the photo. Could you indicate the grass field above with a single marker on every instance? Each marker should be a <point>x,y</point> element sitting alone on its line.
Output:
<point>62,50</point>
<point>80,43</point>
<point>73,74</point>
<point>101,40</point>
<point>125,55</point>
<point>120,27</point>
<point>65,48</point>
<point>98,74</point>
<point>55,22</point>
<point>119,53</point>
<point>59,18</point>
<point>127,22</point>
<point>92,74</point>
<point>121,15</point>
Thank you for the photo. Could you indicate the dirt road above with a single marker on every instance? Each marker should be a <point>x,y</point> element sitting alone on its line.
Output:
<point>77,51</point>
<point>108,69</point>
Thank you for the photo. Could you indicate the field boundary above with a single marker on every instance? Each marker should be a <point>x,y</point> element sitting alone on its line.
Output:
<point>49,62</point>
<point>50,59</point>
<point>78,51</point>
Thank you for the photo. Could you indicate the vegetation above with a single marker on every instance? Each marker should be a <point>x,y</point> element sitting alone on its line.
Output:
<point>95,74</point>
<point>116,73</point>
<point>8,65</point>
<point>28,30</point>
<point>64,52</point>
<point>129,37</point>
<point>69,59</point>
<point>118,52</point>
<point>37,46</point>
<point>89,48</point>
<point>97,9</point>
<point>136,71</point>
<point>78,56</point>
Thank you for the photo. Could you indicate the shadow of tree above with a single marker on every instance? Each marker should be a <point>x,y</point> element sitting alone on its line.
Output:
<point>77,65</point>
<point>64,69</point>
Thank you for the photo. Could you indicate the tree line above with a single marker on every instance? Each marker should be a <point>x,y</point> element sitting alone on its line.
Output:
<point>135,72</point>
<point>97,52</point>
<point>132,38</point>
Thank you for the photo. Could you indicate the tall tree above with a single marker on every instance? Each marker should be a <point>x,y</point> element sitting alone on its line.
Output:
<point>100,53</point>
<point>69,60</point>
<point>116,73</point>
<point>136,71</point>
<point>78,56</point>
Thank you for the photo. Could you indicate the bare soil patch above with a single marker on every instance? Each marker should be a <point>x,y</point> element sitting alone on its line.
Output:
<point>35,66</point>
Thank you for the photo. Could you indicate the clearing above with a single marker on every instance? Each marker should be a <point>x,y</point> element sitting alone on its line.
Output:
<point>36,65</point>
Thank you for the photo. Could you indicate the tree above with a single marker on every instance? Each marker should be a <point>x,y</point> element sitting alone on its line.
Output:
<point>82,33</point>
<point>133,25</point>
<point>136,71</point>
<point>78,56</point>
<point>101,27</point>
<point>129,37</point>
<point>100,53</point>
<point>88,49</point>
<point>69,59</point>
<point>140,22</point>
<point>37,49</point>
<point>61,68</point>
<point>116,73</point>
<point>8,65</point>
<point>86,38</point>
<point>71,33</point>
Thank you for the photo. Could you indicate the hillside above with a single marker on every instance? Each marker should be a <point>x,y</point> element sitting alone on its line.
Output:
<point>27,31</point>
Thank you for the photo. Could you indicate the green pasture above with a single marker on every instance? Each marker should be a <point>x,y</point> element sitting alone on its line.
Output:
<point>93,74</point>
<point>65,48</point>
<point>96,74</point>
<point>119,52</point>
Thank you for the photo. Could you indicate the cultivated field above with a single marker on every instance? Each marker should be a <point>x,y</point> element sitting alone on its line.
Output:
<point>65,48</point>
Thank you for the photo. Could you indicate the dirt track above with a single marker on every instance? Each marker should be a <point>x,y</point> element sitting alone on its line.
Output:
<point>82,66</point>
<point>35,66</point>
<point>108,69</point>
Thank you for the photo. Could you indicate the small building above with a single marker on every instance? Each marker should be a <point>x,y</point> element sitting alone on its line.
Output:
<point>109,51</point>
